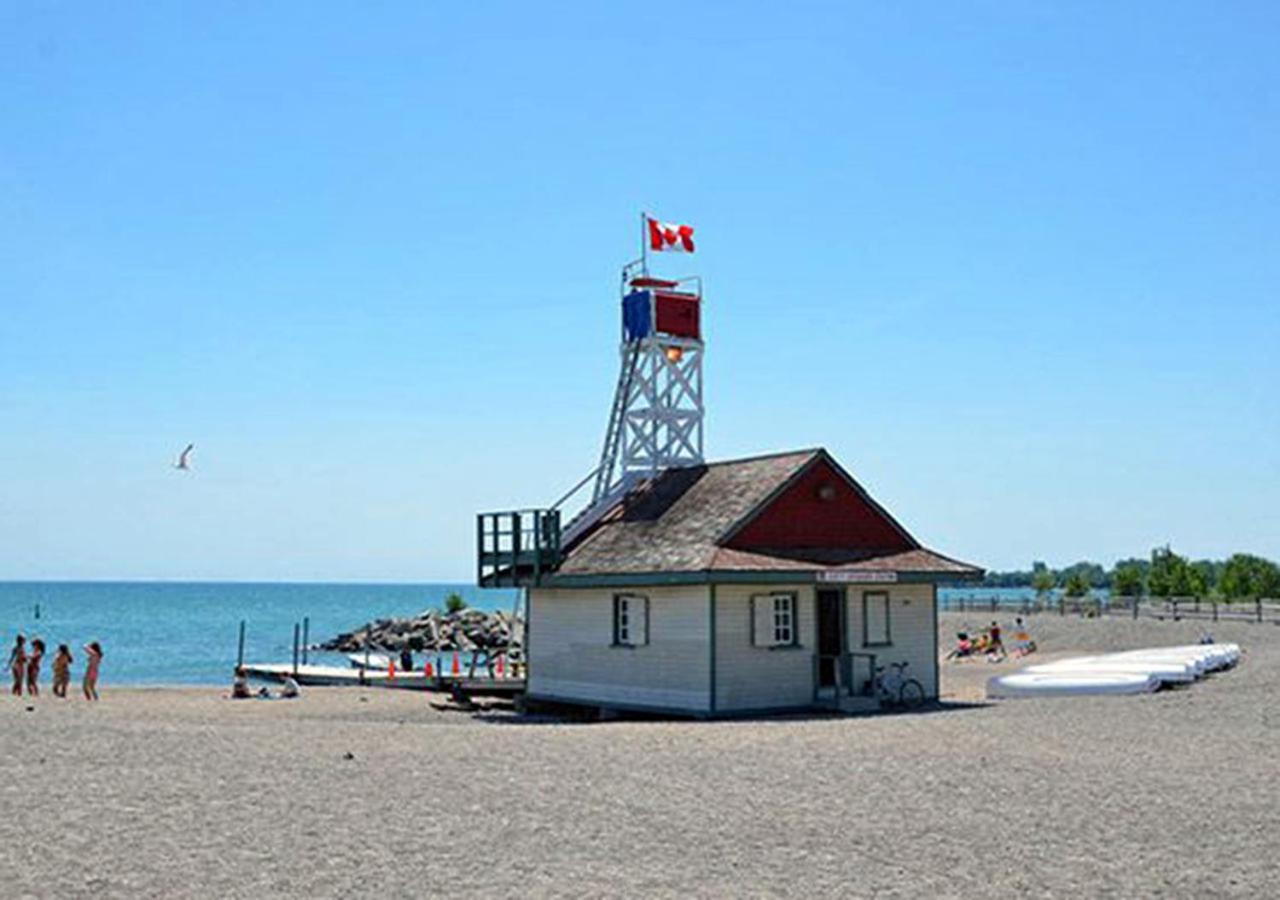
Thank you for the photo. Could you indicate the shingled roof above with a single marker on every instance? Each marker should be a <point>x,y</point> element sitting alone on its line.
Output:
<point>684,522</point>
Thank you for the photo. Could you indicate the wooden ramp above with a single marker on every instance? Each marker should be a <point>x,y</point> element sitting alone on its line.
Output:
<point>338,676</point>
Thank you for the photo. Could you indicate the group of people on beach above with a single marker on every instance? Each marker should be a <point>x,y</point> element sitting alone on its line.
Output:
<point>25,661</point>
<point>989,643</point>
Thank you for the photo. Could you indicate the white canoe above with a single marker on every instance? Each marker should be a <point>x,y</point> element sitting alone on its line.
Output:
<point>1166,670</point>
<point>1058,684</point>
<point>371,661</point>
<point>1209,657</point>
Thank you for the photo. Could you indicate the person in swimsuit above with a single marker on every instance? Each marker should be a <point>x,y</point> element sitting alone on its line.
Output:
<point>33,667</point>
<point>18,663</point>
<point>61,671</point>
<point>94,653</point>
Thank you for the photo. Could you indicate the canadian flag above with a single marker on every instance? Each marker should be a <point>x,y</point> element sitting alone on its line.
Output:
<point>666,236</point>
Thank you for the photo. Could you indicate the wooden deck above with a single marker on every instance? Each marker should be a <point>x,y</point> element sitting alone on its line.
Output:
<point>339,676</point>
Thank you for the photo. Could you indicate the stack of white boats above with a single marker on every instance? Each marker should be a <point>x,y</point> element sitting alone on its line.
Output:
<point>1129,672</point>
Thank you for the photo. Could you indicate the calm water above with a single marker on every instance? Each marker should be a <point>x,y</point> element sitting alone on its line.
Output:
<point>165,633</point>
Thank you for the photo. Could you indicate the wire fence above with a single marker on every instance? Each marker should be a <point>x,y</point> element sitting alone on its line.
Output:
<point>1163,608</point>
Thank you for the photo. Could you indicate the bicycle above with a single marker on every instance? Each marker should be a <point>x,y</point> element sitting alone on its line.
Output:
<point>896,689</point>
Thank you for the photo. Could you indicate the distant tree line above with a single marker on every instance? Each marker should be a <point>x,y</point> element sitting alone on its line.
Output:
<point>1166,574</point>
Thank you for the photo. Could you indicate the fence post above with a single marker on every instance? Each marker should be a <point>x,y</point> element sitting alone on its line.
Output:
<point>240,648</point>
<point>1259,604</point>
<point>1215,610</point>
<point>1062,606</point>
<point>1137,601</point>
<point>1175,609</point>
<point>306,637</point>
<point>296,628</point>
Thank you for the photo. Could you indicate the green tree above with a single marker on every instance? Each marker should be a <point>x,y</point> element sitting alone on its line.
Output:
<point>1245,575</point>
<point>1172,576</point>
<point>1128,580</point>
<point>1077,584</point>
<point>454,603</point>
<point>1043,581</point>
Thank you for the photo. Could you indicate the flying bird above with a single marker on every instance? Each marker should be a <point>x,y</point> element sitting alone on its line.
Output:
<point>184,459</point>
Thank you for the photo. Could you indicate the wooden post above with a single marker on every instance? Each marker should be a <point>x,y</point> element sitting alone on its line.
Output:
<point>295,648</point>
<point>1137,601</point>
<point>240,650</point>
<point>306,637</point>
<point>1259,603</point>
<point>1215,610</point>
<point>1062,606</point>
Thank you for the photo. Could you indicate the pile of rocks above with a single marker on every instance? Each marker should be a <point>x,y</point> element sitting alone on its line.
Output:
<point>433,630</point>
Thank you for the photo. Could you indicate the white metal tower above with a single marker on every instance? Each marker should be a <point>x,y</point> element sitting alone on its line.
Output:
<point>656,419</point>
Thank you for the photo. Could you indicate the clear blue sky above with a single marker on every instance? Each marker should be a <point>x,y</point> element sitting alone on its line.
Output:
<point>1015,264</point>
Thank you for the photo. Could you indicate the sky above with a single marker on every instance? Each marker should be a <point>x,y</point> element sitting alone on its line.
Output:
<point>1014,264</point>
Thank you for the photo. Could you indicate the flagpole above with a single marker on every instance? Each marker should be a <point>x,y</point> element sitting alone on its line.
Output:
<point>644,245</point>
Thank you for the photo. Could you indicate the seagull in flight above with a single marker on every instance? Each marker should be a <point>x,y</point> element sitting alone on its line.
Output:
<point>184,459</point>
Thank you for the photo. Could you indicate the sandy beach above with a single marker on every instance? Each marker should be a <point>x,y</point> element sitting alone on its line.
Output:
<point>178,792</point>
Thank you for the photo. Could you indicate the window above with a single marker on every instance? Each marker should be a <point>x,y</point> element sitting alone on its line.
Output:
<point>773,621</point>
<point>630,620</point>
<point>875,619</point>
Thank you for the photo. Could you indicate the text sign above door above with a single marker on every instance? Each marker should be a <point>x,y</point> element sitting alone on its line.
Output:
<point>846,576</point>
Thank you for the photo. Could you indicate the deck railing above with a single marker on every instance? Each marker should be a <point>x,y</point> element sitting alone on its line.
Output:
<point>517,548</point>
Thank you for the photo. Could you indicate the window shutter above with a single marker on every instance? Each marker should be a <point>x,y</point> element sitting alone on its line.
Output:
<point>640,626</point>
<point>875,611</point>
<point>762,620</point>
<point>795,620</point>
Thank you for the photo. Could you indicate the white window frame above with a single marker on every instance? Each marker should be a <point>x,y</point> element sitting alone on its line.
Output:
<point>781,625</point>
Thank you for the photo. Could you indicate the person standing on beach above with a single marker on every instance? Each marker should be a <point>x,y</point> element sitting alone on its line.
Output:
<point>62,671</point>
<point>94,652</point>
<point>33,667</point>
<point>18,663</point>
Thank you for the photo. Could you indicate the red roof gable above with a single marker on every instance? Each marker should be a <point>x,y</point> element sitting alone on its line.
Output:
<point>821,508</point>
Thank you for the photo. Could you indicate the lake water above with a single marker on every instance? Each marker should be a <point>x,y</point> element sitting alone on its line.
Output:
<point>171,633</point>
<point>174,633</point>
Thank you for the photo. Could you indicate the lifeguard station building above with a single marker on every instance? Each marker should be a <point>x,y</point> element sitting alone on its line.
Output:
<point>750,586</point>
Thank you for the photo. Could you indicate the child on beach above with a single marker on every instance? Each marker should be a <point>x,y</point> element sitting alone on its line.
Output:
<point>240,686</point>
<point>61,671</point>
<point>18,663</point>
<point>94,653</point>
<point>33,667</point>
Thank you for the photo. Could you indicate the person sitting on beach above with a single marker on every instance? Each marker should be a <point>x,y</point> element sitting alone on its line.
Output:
<point>964,646</point>
<point>240,687</point>
<point>18,663</point>
<point>62,671</point>
<point>93,651</point>
<point>290,690</point>
<point>33,667</point>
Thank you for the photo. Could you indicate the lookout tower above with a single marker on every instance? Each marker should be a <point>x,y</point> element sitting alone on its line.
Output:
<point>655,424</point>
<point>656,419</point>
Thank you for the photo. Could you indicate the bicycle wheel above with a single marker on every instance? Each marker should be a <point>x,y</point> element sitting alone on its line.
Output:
<point>911,694</point>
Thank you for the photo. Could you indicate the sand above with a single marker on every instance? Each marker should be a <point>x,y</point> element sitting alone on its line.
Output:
<point>169,792</point>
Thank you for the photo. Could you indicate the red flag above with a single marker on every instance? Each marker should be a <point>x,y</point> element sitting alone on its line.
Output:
<point>666,236</point>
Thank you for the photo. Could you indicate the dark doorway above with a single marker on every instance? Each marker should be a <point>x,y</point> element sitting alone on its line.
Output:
<point>830,637</point>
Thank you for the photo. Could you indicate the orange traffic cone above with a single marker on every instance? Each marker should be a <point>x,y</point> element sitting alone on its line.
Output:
<point>391,670</point>
<point>457,665</point>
